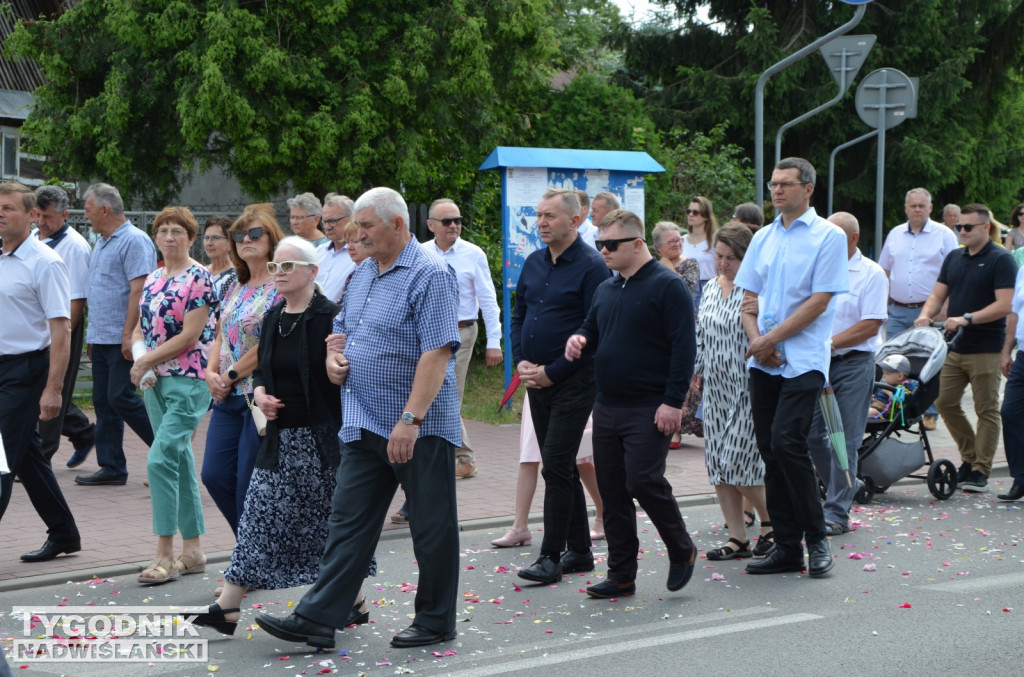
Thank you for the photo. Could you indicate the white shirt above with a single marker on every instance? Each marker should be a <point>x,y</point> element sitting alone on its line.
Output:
<point>35,289</point>
<point>1018,308</point>
<point>868,299</point>
<point>588,232</point>
<point>704,255</point>
<point>75,251</point>
<point>913,261</point>
<point>784,267</point>
<point>335,267</point>
<point>476,290</point>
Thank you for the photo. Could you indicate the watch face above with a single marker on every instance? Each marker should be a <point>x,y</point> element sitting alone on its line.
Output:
<point>408,418</point>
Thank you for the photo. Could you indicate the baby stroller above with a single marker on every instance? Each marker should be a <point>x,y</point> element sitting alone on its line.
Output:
<point>896,445</point>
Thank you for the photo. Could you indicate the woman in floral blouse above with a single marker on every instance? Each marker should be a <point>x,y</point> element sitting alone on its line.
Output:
<point>172,342</point>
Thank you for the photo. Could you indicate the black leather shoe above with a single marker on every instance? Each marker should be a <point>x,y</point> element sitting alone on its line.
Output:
<point>1015,493</point>
<point>295,628</point>
<point>609,589</point>
<point>778,561</point>
<point>101,477</point>
<point>574,562</point>
<point>679,574</point>
<point>819,557</point>
<point>544,570</point>
<point>417,635</point>
<point>50,550</point>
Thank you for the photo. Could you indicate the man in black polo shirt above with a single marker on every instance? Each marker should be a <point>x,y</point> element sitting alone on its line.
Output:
<point>978,279</point>
<point>556,287</point>
<point>641,333</point>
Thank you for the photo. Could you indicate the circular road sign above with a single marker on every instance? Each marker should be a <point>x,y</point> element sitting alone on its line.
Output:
<point>888,90</point>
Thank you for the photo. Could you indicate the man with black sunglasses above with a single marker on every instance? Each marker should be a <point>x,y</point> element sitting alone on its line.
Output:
<point>640,332</point>
<point>978,280</point>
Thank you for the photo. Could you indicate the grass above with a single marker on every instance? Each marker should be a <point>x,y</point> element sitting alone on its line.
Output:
<point>485,387</point>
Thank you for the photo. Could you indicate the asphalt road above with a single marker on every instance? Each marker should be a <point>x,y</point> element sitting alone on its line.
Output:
<point>923,587</point>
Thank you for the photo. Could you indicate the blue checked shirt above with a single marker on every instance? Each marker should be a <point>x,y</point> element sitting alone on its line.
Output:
<point>390,319</point>
<point>117,260</point>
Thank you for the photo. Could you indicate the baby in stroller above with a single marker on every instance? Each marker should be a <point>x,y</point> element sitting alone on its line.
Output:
<point>895,369</point>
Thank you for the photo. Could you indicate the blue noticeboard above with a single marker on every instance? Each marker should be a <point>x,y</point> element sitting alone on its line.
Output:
<point>527,173</point>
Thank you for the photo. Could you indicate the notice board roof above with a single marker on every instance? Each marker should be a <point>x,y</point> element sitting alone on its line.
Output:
<point>572,158</point>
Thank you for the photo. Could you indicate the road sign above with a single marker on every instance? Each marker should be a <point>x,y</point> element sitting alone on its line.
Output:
<point>885,97</point>
<point>845,55</point>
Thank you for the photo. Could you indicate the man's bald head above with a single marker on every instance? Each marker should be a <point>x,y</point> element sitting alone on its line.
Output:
<point>848,222</point>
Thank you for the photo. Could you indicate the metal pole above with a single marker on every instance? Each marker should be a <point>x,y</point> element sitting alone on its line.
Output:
<point>759,94</point>
<point>832,163</point>
<point>880,166</point>
<point>809,114</point>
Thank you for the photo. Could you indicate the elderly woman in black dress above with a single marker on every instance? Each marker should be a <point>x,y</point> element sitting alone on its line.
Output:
<point>283,528</point>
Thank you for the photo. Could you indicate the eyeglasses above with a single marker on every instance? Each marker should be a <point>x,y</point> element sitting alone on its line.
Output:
<point>967,227</point>
<point>613,245</point>
<point>273,267</point>
<point>213,238</point>
<point>457,220</point>
<point>299,218</point>
<point>253,233</point>
<point>693,212</point>
<point>332,222</point>
<point>173,232</point>
<point>772,185</point>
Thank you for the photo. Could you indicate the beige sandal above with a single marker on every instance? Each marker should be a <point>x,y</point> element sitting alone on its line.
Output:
<point>187,564</point>
<point>165,572</point>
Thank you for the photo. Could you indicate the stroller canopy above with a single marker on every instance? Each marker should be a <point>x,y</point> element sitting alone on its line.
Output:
<point>922,343</point>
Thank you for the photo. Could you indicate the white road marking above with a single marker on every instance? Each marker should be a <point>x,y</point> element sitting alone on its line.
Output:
<point>980,583</point>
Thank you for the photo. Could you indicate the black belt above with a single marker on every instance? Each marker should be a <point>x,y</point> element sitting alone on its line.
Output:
<point>8,358</point>
<point>466,323</point>
<point>894,302</point>
<point>852,353</point>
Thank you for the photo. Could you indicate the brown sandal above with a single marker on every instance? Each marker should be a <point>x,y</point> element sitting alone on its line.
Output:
<point>165,572</point>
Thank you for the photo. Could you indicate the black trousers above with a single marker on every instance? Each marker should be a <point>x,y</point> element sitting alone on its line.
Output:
<point>782,410</point>
<point>560,414</point>
<point>367,482</point>
<point>71,422</point>
<point>22,380</point>
<point>629,455</point>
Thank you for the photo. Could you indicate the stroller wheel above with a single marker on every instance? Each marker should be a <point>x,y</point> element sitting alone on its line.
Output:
<point>866,491</point>
<point>942,479</point>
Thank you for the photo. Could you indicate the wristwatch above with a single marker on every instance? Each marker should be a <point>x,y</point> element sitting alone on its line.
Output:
<point>409,418</point>
<point>970,318</point>
<point>232,374</point>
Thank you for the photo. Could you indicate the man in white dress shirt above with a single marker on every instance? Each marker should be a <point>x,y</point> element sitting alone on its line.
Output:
<point>55,231</point>
<point>335,262</point>
<point>35,305</point>
<point>587,230</point>
<point>912,256</point>
<point>476,294</point>
<point>855,338</point>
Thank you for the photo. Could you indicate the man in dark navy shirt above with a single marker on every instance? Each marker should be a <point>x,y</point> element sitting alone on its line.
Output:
<point>640,330</point>
<point>555,290</point>
<point>978,280</point>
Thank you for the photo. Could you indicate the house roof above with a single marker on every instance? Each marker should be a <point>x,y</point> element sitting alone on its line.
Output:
<point>614,160</point>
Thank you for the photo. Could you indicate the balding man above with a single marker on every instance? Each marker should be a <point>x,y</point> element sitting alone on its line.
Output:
<point>855,337</point>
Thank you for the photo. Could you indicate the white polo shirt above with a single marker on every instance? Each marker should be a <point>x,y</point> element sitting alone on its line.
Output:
<point>35,289</point>
<point>75,251</point>
<point>335,267</point>
<point>784,267</point>
<point>476,290</point>
<point>868,299</point>
<point>913,259</point>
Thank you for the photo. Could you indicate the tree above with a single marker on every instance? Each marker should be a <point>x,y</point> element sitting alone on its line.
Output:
<point>965,143</point>
<point>336,95</point>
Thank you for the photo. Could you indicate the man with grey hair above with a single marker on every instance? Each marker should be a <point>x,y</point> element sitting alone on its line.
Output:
<point>950,215</point>
<point>476,294</point>
<point>587,230</point>
<point>911,257</point>
<point>54,231</point>
<point>393,353</point>
<point>856,328</point>
<point>602,203</point>
<point>304,218</point>
<point>335,262</point>
<point>120,262</point>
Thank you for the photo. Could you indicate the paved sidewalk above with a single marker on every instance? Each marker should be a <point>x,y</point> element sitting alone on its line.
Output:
<point>116,522</point>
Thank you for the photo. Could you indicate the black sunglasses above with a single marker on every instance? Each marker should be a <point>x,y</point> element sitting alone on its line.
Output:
<point>457,220</point>
<point>613,245</point>
<point>253,233</point>
<point>967,226</point>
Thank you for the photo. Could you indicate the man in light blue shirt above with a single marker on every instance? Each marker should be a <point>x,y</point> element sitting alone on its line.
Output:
<point>791,272</point>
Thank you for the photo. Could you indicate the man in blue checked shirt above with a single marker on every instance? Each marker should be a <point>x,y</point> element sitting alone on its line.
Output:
<point>791,272</point>
<point>394,355</point>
